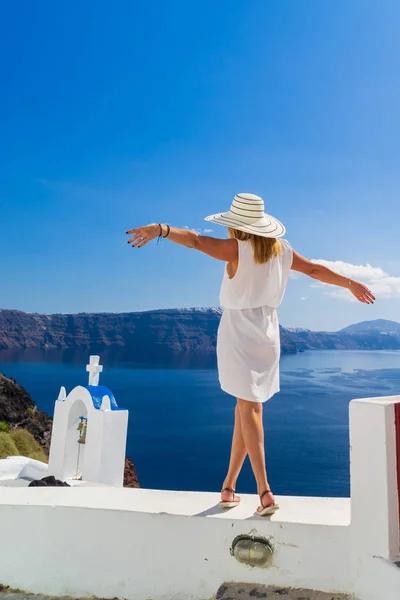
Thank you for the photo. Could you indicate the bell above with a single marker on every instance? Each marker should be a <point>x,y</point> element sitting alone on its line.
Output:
<point>82,437</point>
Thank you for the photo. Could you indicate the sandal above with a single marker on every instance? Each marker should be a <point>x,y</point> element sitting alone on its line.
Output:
<point>231,503</point>
<point>267,510</point>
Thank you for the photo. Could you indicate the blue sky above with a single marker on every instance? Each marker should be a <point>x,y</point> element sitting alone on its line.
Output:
<point>113,115</point>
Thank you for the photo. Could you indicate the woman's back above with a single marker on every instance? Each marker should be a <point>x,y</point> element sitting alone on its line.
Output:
<point>255,285</point>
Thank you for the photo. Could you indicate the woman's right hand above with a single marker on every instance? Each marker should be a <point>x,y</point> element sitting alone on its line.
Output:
<point>361,292</point>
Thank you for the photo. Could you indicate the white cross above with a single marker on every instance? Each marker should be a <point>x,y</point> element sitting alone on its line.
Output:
<point>94,370</point>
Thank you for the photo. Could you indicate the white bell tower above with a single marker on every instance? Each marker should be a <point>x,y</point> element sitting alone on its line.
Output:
<point>88,440</point>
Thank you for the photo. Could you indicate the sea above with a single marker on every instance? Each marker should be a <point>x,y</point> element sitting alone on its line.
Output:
<point>180,422</point>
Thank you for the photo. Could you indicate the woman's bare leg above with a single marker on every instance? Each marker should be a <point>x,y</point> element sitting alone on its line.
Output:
<point>253,436</point>
<point>238,454</point>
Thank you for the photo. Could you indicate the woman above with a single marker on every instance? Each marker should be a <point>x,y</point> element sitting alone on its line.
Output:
<point>248,347</point>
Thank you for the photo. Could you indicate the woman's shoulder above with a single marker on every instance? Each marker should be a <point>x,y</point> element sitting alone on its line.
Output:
<point>285,245</point>
<point>287,254</point>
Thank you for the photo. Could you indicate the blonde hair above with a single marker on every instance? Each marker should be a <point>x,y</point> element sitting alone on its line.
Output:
<point>264,248</point>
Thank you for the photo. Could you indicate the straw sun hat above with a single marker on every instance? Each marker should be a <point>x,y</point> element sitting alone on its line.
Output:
<point>247,214</point>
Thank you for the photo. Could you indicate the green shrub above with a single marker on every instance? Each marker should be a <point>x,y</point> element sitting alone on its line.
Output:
<point>25,442</point>
<point>21,443</point>
<point>4,427</point>
<point>7,446</point>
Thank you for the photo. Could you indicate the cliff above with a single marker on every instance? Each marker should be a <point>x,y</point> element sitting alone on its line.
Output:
<point>17,409</point>
<point>362,337</point>
<point>144,333</point>
<point>159,336</point>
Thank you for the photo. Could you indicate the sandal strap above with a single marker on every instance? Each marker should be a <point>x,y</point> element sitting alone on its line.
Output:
<point>264,494</point>
<point>227,489</point>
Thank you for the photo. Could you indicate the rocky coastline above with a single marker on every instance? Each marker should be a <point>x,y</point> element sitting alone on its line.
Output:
<point>173,336</point>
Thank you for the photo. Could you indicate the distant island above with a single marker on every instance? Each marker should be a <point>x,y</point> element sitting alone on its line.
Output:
<point>379,334</point>
<point>156,336</point>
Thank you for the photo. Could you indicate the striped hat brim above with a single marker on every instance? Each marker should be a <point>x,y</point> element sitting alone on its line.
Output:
<point>265,226</point>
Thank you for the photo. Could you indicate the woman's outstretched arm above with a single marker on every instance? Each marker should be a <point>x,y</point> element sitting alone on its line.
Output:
<point>226,250</point>
<point>325,275</point>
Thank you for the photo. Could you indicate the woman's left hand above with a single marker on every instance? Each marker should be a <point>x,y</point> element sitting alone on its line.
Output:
<point>361,292</point>
<point>143,235</point>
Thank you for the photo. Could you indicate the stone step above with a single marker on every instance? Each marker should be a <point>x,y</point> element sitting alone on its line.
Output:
<point>246,591</point>
<point>227,591</point>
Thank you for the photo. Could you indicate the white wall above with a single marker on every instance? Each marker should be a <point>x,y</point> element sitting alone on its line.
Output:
<point>374,497</point>
<point>114,448</point>
<point>140,544</point>
<point>117,552</point>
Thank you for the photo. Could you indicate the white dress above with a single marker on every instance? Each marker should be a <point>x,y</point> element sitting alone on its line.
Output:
<point>248,346</point>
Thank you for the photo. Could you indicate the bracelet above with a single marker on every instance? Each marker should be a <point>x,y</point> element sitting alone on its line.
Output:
<point>161,236</point>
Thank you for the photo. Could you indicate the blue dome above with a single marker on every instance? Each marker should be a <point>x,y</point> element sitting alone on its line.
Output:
<point>97,393</point>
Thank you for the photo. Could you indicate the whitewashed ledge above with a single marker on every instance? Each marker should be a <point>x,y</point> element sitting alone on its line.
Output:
<point>110,542</point>
<point>142,544</point>
<point>300,510</point>
<point>160,545</point>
